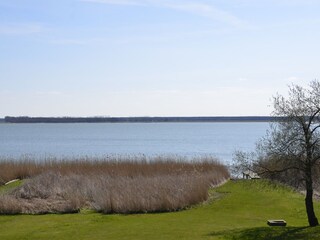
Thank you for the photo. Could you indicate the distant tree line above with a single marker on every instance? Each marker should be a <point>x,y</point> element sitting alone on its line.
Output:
<point>24,119</point>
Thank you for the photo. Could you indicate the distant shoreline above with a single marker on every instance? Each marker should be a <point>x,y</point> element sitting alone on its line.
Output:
<point>137,119</point>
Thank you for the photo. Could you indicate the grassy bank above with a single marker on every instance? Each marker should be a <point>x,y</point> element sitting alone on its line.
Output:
<point>159,185</point>
<point>236,210</point>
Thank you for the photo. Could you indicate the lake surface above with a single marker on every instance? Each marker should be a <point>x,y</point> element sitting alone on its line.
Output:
<point>100,139</point>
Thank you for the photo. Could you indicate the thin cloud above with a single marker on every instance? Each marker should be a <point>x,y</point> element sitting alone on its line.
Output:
<point>52,93</point>
<point>206,10</point>
<point>20,29</point>
<point>199,8</point>
<point>117,2</point>
<point>278,2</point>
<point>296,80</point>
<point>69,42</point>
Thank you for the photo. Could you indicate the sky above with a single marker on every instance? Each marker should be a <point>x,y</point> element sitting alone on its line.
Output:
<point>154,57</point>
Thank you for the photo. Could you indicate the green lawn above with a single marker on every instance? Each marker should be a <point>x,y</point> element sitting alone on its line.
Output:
<point>10,186</point>
<point>237,210</point>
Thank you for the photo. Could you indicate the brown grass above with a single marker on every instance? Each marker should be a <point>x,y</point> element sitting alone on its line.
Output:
<point>108,185</point>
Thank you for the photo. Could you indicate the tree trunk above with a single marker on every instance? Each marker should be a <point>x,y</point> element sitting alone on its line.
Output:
<point>313,221</point>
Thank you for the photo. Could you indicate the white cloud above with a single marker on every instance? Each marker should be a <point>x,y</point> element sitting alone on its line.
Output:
<point>200,8</point>
<point>292,79</point>
<point>20,29</point>
<point>242,79</point>
<point>297,80</point>
<point>69,42</point>
<point>54,93</point>
<point>277,2</point>
<point>117,2</point>
<point>207,10</point>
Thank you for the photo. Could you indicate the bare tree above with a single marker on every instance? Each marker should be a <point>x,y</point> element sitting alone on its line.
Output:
<point>291,148</point>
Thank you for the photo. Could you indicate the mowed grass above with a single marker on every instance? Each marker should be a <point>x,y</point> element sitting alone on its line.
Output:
<point>236,210</point>
<point>6,188</point>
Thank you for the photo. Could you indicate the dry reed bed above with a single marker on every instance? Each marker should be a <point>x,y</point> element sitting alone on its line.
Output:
<point>108,185</point>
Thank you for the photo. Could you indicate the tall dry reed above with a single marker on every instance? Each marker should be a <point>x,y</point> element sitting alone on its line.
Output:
<point>108,186</point>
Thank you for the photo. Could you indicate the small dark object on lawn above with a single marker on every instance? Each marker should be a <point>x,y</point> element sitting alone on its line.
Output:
<point>282,223</point>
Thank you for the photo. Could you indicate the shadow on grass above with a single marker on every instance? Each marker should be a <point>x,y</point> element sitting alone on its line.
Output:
<point>270,233</point>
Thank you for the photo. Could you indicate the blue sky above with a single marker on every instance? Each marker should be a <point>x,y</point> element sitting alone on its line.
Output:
<point>152,57</point>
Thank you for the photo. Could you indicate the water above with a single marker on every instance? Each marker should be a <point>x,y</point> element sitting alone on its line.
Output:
<point>100,139</point>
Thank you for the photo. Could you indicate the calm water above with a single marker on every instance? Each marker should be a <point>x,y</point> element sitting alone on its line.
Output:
<point>91,139</point>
